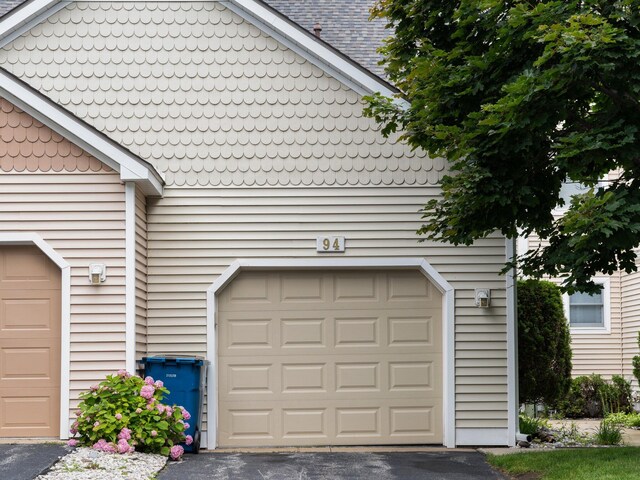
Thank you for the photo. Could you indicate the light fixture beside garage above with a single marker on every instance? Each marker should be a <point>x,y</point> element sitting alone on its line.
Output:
<point>483,297</point>
<point>97,273</point>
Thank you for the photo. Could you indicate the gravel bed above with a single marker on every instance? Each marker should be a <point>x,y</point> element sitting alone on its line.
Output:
<point>88,464</point>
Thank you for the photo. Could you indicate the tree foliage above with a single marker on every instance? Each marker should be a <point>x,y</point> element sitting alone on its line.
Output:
<point>544,349</point>
<point>521,96</point>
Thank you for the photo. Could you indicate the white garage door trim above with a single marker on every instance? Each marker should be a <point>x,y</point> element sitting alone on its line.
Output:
<point>20,238</point>
<point>210,437</point>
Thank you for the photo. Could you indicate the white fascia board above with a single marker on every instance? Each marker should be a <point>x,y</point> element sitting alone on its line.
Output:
<point>71,128</point>
<point>307,47</point>
<point>30,22</point>
<point>24,14</point>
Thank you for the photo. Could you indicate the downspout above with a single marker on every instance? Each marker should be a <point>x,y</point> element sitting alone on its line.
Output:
<point>513,426</point>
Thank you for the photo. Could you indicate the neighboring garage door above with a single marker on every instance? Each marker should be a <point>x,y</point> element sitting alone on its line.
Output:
<point>29,343</point>
<point>329,358</point>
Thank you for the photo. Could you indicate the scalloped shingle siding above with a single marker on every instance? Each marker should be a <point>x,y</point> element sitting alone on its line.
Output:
<point>27,145</point>
<point>209,99</point>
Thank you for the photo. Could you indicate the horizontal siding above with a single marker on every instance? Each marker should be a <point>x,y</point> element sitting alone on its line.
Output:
<point>631,318</point>
<point>195,234</point>
<point>81,215</point>
<point>141,274</point>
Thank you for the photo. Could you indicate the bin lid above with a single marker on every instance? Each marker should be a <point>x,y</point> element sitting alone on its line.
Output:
<point>198,360</point>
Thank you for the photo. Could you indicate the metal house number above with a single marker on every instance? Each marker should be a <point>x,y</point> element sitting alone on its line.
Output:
<point>330,244</point>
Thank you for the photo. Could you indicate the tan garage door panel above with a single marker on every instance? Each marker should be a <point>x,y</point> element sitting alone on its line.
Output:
<point>29,343</point>
<point>329,358</point>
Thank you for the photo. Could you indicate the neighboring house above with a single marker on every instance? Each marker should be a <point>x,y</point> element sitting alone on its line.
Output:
<point>205,154</point>
<point>604,327</point>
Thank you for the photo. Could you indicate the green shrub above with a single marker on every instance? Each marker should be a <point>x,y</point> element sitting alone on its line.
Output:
<point>624,419</point>
<point>592,397</point>
<point>544,351</point>
<point>125,412</point>
<point>531,426</point>
<point>608,434</point>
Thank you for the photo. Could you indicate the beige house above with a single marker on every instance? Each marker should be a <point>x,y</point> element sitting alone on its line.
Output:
<point>604,327</point>
<point>198,178</point>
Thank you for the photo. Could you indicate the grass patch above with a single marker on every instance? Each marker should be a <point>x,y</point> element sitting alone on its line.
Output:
<point>572,464</point>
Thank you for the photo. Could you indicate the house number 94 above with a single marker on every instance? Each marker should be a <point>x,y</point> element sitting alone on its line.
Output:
<point>330,244</point>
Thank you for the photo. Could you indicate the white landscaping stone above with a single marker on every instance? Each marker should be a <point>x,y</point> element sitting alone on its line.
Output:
<point>88,464</point>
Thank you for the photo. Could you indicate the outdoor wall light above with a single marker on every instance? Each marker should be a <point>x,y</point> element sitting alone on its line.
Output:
<point>483,297</point>
<point>97,273</point>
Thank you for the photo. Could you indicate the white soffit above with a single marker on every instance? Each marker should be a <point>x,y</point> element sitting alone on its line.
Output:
<point>70,127</point>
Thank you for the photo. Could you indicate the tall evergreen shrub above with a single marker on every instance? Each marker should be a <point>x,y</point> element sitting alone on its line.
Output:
<point>544,349</point>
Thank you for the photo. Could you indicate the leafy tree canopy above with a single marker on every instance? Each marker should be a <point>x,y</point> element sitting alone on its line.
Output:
<point>521,96</point>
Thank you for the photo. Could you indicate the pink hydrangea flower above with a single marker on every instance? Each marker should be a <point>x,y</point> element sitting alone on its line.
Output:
<point>78,413</point>
<point>100,445</point>
<point>185,414</point>
<point>176,452</point>
<point>94,387</point>
<point>118,416</point>
<point>150,406</point>
<point>188,440</point>
<point>123,374</point>
<point>160,407</point>
<point>123,446</point>
<point>168,411</point>
<point>125,434</point>
<point>109,448</point>
<point>72,442</point>
<point>148,380</point>
<point>74,427</point>
<point>96,424</point>
<point>138,411</point>
<point>186,426</point>
<point>147,392</point>
<point>154,433</point>
<point>159,384</point>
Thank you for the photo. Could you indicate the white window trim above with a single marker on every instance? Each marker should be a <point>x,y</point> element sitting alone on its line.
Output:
<point>209,438</point>
<point>559,211</point>
<point>19,238</point>
<point>606,301</point>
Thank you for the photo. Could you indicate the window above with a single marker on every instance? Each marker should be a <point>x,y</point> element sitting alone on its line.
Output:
<point>569,189</point>
<point>589,313</point>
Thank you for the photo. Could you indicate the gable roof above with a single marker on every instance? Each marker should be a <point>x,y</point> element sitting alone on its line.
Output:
<point>130,167</point>
<point>346,50</point>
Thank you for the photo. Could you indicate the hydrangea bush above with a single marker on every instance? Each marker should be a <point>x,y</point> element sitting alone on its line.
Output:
<point>125,413</point>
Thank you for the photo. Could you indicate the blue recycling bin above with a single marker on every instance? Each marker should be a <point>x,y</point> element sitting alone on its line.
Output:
<point>184,377</point>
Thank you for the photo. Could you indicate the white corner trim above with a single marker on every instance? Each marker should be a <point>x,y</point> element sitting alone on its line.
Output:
<point>606,297</point>
<point>24,25</point>
<point>130,276</point>
<point>19,238</point>
<point>310,49</point>
<point>420,264</point>
<point>483,437</point>
<point>512,347</point>
<point>73,129</point>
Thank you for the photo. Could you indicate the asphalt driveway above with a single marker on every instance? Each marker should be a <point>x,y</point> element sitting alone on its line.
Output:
<point>24,462</point>
<point>332,466</point>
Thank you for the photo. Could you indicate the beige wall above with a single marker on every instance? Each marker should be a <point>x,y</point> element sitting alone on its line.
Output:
<point>631,318</point>
<point>78,209</point>
<point>261,151</point>
<point>141,275</point>
<point>195,234</point>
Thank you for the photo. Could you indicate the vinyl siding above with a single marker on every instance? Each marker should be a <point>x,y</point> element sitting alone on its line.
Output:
<point>141,274</point>
<point>195,234</point>
<point>81,215</point>
<point>631,323</point>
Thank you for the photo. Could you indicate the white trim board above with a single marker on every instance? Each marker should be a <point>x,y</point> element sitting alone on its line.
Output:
<point>70,127</point>
<point>512,346</point>
<point>420,264</point>
<point>130,276</point>
<point>483,437</point>
<point>10,238</point>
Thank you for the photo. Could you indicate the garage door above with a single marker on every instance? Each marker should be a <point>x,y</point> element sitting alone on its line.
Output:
<point>29,343</point>
<point>329,358</point>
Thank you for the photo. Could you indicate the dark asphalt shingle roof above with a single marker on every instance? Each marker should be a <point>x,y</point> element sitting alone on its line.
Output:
<point>345,25</point>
